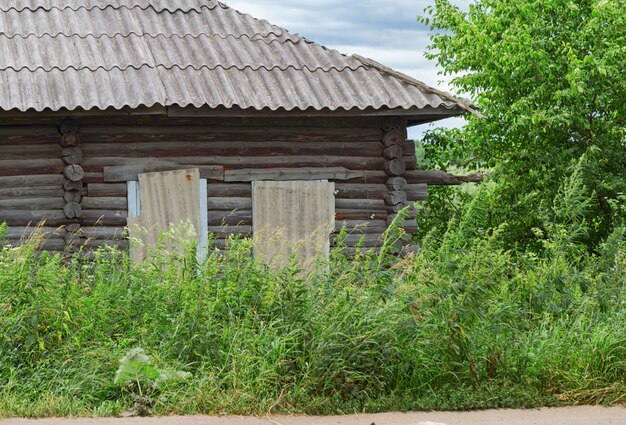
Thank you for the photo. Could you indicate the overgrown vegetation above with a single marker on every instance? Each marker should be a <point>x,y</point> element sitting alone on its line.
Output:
<point>465,324</point>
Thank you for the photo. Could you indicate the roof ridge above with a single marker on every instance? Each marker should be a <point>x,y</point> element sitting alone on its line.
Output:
<point>255,37</point>
<point>466,105</point>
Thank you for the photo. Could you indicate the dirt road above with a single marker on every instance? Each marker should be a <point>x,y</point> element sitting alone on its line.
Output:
<point>561,416</point>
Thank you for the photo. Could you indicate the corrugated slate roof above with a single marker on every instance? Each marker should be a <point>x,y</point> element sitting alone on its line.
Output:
<point>90,54</point>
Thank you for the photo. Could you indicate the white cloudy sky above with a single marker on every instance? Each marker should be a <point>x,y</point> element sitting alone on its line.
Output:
<point>384,30</point>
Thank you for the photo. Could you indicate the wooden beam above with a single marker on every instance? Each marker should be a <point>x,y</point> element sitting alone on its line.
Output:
<point>284,174</point>
<point>124,173</point>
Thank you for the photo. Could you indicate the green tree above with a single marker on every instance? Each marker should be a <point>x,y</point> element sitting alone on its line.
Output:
<point>549,76</point>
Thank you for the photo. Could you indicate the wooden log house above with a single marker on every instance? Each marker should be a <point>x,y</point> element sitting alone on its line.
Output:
<point>92,96</point>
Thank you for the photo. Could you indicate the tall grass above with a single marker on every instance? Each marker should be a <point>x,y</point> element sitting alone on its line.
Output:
<point>464,324</point>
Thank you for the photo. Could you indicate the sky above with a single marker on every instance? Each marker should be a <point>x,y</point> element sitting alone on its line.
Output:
<point>384,30</point>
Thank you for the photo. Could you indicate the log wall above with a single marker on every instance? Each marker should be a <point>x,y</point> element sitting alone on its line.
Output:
<point>73,173</point>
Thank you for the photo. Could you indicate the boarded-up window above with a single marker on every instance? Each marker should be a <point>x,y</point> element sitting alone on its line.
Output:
<point>292,217</point>
<point>161,200</point>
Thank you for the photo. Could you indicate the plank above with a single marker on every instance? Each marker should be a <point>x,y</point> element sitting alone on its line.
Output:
<point>284,174</point>
<point>131,172</point>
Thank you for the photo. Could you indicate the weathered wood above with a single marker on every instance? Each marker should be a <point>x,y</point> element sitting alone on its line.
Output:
<point>441,178</point>
<point>73,172</point>
<point>99,217</point>
<point>225,231</point>
<point>238,147</point>
<point>395,167</point>
<point>131,172</point>
<point>21,167</point>
<point>283,174</point>
<point>396,197</point>
<point>294,161</point>
<point>28,203</point>
<point>106,189</point>
<point>18,232</point>
<point>365,240</point>
<point>72,210</point>
<point>103,232</point>
<point>360,191</point>
<point>396,183</point>
<point>361,226</point>
<point>351,214</point>
<point>393,123</point>
<point>72,196</point>
<point>34,192</point>
<point>72,156</point>
<point>25,217</point>
<point>394,137</point>
<point>230,203</point>
<point>417,192</point>
<point>70,185</point>
<point>240,190</point>
<point>360,204</point>
<point>46,244</point>
<point>105,203</point>
<point>393,152</point>
<point>69,139</point>
<point>69,126</point>
<point>31,180</point>
<point>231,218</point>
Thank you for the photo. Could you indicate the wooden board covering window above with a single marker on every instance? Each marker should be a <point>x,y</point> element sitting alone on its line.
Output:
<point>292,217</point>
<point>167,199</point>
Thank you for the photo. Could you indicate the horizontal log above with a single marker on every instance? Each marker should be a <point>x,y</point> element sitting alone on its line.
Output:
<point>31,180</point>
<point>240,131</point>
<point>105,203</point>
<point>31,203</point>
<point>104,217</point>
<point>360,204</point>
<point>229,203</point>
<point>351,214</point>
<point>34,192</point>
<point>19,167</point>
<point>46,244</point>
<point>155,164</point>
<point>69,185</point>
<point>394,137</point>
<point>131,172</point>
<point>21,151</point>
<point>441,178</point>
<point>367,240</point>
<point>282,174</point>
<point>417,192</point>
<point>393,152</point>
<point>107,189</point>
<point>360,191</point>
<point>17,232</point>
<point>72,196</point>
<point>33,217</point>
<point>237,217</point>
<point>233,148</point>
<point>361,226</point>
<point>229,189</point>
<point>97,243</point>
<point>103,232</point>
<point>225,231</point>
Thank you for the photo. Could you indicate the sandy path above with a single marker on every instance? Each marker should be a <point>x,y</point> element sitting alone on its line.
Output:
<point>561,416</point>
